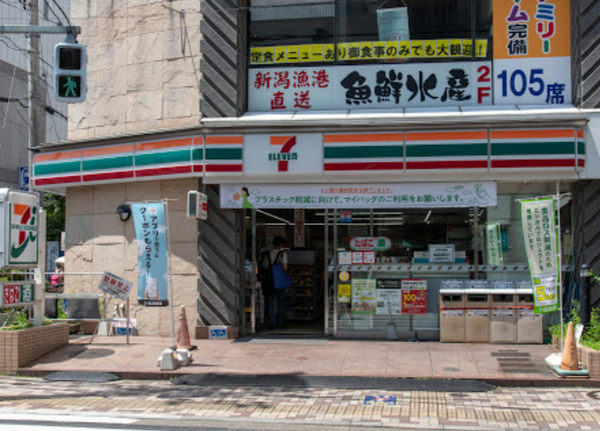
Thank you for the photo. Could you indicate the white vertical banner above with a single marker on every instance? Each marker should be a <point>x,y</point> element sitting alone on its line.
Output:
<point>538,217</point>
<point>299,236</point>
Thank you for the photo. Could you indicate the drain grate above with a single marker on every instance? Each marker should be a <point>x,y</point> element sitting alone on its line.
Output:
<point>513,361</point>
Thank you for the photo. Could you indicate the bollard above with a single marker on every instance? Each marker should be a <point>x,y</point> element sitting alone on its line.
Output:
<point>584,294</point>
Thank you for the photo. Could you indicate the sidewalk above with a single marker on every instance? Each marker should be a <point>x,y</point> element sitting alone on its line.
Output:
<point>502,364</point>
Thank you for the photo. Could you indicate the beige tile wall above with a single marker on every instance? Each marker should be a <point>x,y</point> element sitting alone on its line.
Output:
<point>143,66</point>
<point>98,241</point>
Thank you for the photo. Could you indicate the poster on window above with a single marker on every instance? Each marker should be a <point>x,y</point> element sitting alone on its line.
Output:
<point>364,296</point>
<point>493,245</point>
<point>389,301</point>
<point>151,233</point>
<point>382,86</point>
<point>538,218</point>
<point>414,296</point>
<point>392,23</point>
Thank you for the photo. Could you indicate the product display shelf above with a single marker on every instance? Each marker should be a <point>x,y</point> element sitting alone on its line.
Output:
<point>302,296</point>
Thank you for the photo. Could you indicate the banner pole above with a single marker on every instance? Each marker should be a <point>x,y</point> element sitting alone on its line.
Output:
<point>559,263</point>
<point>166,204</point>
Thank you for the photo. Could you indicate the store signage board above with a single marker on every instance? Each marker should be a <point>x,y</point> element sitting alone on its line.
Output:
<point>283,154</point>
<point>532,52</point>
<point>538,219</point>
<point>344,196</point>
<point>418,85</point>
<point>115,286</point>
<point>364,296</point>
<point>377,243</point>
<point>19,223</point>
<point>441,253</point>
<point>17,293</point>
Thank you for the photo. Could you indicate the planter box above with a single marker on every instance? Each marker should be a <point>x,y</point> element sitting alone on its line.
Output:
<point>19,348</point>
<point>590,360</point>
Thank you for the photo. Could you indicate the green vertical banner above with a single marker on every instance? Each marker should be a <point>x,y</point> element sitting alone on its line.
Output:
<point>538,217</point>
<point>493,244</point>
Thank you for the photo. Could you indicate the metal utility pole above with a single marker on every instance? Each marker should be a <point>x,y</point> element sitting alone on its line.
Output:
<point>33,85</point>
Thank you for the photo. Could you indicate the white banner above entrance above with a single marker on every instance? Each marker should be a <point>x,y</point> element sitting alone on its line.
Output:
<point>348,196</point>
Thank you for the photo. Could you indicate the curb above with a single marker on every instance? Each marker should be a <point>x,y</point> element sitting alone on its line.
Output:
<point>508,382</point>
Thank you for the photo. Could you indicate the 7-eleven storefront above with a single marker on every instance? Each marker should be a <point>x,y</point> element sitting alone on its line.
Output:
<point>363,205</point>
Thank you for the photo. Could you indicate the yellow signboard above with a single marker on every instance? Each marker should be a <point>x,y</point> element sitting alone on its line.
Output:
<point>369,50</point>
<point>531,29</point>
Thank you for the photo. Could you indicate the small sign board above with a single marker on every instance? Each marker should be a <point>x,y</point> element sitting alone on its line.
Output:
<point>115,286</point>
<point>16,293</point>
<point>217,332</point>
<point>441,253</point>
<point>367,243</point>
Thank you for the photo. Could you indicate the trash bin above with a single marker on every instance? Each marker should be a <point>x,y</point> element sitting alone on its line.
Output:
<point>503,327</point>
<point>477,321</point>
<point>529,324</point>
<point>452,315</point>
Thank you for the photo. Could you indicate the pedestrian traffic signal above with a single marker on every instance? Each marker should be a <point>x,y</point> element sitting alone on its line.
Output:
<point>69,72</point>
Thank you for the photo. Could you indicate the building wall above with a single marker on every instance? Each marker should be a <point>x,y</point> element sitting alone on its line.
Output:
<point>97,241</point>
<point>143,66</point>
<point>586,60</point>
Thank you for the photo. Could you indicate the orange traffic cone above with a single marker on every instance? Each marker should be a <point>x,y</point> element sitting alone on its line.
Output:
<point>183,334</point>
<point>569,360</point>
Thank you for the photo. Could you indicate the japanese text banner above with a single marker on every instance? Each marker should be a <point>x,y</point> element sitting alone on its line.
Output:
<point>151,232</point>
<point>348,196</point>
<point>541,245</point>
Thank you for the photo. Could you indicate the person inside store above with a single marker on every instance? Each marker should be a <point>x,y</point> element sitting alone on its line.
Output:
<point>57,279</point>
<point>274,297</point>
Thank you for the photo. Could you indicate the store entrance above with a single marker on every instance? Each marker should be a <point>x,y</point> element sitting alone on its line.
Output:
<point>303,236</point>
<point>313,304</point>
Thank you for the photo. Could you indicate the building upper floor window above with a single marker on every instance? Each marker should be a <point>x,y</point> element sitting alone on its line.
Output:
<point>368,31</point>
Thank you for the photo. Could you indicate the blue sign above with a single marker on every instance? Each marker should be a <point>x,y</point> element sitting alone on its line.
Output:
<point>387,400</point>
<point>217,332</point>
<point>24,178</point>
<point>151,235</point>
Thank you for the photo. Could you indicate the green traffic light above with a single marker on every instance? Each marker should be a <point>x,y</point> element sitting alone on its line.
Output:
<point>69,86</point>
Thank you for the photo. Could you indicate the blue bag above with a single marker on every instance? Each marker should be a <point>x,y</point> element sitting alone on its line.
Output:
<point>281,278</point>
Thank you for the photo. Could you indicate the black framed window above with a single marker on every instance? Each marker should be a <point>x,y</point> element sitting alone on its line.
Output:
<point>368,31</point>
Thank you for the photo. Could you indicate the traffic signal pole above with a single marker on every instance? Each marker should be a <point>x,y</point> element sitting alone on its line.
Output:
<point>33,86</point>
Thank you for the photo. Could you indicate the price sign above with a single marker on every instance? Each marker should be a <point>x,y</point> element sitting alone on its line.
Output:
<point>414,296</point>
<point>15,294</point>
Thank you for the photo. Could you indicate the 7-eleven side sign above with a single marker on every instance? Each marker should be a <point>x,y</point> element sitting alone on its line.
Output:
<point>19,239</point>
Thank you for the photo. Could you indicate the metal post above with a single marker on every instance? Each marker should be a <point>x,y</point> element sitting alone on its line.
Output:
<point>40,273</point>
<point>33,85</point>
<point>255,271</point>
<point>335,273</point>
<point>326,275</point>
<point>559,262</point>
<point>127,324</point>
<point>166,204</point>
<point>476,241</point>
<point>584,294</point>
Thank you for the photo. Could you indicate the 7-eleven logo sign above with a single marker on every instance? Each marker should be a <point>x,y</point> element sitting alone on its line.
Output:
<point>23,228</point>
<point>284,154</point>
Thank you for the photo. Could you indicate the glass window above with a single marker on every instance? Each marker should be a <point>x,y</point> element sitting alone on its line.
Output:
<point>368,31</point>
